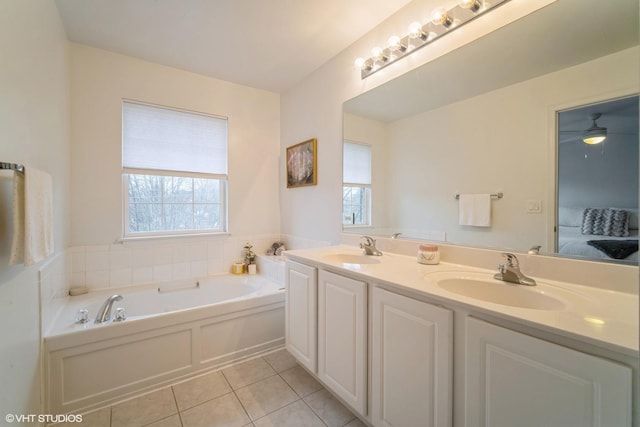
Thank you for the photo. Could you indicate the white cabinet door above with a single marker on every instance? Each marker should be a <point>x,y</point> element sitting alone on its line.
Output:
<point>517,380</point>
<point>342,337</point>
<point>412,358</point>
<point>301,314</point>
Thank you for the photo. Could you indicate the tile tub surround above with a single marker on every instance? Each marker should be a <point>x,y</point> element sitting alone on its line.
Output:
<point>138,262</point>
<point>271,390</point>
<point>159,260</point>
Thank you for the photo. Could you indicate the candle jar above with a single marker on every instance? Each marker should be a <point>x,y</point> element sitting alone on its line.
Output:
<point>428,254</point>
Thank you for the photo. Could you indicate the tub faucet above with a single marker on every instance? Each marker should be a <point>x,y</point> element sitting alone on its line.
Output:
<point>369,246</point>
<point>510,272</point>
<point>104,313</point>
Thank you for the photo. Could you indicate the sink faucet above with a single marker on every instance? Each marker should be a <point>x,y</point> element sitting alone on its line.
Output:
<point>369,246</point>
<point>510,271</point>
<point>104,313</point>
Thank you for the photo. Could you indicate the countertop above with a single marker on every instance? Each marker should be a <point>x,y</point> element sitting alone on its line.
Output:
<point>608,319</point>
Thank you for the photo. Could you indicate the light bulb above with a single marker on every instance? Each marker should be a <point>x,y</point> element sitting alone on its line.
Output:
<point>359,62</point>
<point>440,17</point>
<point>396,44</point>
<point>472,5</point>
<point>378,54</point>
<point>415,31</point>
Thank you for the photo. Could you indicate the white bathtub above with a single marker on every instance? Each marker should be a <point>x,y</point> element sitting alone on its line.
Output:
<point>171,332</point>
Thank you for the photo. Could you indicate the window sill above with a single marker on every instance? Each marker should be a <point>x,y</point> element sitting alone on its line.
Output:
<point>148,238</point>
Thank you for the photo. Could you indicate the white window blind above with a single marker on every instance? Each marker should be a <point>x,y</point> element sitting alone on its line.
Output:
<point>159,138</point>
<point>356,163</point>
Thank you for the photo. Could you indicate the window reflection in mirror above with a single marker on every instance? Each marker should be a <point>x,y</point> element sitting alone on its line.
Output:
<point>356,186</point>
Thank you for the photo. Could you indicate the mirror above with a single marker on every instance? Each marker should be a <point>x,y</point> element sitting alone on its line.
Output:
<point>483,120</point>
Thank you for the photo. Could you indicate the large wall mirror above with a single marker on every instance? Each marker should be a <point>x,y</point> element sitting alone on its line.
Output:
<point>484,119</point>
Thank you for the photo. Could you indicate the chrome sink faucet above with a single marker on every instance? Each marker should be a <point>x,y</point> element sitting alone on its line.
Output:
<point>369,246</point>
<point>104,313</point>
<point>510,271</point>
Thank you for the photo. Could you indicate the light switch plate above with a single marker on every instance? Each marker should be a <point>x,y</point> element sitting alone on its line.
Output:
<point>534,206</point>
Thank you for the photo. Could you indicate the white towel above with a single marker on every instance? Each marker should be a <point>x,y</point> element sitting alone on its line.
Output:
<point>17,242</point>
<point>34,225</point>
<point>475,210</point>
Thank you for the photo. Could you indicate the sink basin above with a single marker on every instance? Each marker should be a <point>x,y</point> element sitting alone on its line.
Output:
<point>484,287</point>
<point>353,259</point>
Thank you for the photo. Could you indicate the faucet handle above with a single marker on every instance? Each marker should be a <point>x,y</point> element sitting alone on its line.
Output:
<point>370,240</point>
<point>511,260</point>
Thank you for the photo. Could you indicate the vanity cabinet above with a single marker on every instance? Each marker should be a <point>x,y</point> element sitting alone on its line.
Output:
<point>342,337</point>
<point>301,313</point>
<point>514,379</point>
<point>411,362</point>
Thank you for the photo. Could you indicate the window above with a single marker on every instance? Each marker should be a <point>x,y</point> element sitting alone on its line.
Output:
<point>356,186</point>
<point>174,171</point>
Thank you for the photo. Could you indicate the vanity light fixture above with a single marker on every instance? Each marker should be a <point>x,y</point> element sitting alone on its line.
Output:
<point>443,22</point>
<point>595,134</point>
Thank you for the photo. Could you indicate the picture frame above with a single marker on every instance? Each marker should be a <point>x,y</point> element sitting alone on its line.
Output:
<point>302,164</point>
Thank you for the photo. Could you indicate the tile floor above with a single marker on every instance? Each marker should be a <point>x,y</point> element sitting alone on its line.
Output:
<point>272,390</point>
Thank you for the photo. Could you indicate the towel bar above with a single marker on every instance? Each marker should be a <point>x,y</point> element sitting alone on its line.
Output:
<point>12,166</point>
<point>493,196</point>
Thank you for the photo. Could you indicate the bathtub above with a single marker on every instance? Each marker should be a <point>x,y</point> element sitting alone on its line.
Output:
<point>172,331</point>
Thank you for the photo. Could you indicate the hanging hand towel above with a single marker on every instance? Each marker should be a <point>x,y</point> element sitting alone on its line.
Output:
<point>475,210</point>
<point>33,217</point>
<point>17,243</point>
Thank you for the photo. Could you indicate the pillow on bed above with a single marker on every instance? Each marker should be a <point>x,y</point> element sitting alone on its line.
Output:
<point>570,217</point>
<point>605,222</point>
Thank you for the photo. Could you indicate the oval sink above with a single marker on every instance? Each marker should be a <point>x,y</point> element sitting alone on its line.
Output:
<point>353,259</point>
<point>485,288</point>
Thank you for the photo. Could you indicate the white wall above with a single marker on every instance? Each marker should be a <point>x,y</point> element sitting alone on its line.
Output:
<point>313,109</point>
<point>34,118</point>
<point>101,79</point>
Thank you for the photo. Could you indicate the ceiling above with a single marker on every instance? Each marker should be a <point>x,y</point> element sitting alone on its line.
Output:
<point>265,44</point>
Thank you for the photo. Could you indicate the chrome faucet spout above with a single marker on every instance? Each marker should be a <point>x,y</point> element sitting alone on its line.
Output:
<point>104,313</point>
<point>369,246</point>
<point>510,271</point>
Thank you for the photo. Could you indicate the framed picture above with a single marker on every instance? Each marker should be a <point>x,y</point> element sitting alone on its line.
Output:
<point>302,164</point>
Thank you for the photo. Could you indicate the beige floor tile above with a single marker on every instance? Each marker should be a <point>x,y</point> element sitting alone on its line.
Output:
<point>356,423</point>
<point>172,421</point>
<point>248,372</point>
<point>296,414</point>
<point>300,381</point>
<point>99,418</point>
<point>281,360</point>
<point>329,409</point>
<point>266,396</point>
<point>200,389</point>
<point>144,409</point>
<point>223,411</point>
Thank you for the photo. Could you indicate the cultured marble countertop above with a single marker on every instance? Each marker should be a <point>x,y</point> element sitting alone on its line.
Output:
<point>605,318</point>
